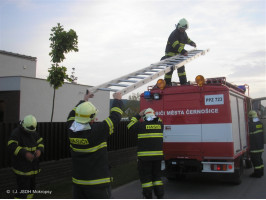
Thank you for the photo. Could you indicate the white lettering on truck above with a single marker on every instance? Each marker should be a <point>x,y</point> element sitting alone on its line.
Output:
<point>188,112</point>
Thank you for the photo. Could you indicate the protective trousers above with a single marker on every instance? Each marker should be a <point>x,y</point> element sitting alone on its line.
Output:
<point>90,192</point>
<point>257,162</point>
<point>150,177</point>
<point>181,74</point>
<point>25,185</point>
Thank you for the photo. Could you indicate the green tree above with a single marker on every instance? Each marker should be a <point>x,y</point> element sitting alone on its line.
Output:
<point>62,42</point>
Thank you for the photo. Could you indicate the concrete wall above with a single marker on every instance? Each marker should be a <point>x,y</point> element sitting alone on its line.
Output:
<point>36,97</point>
<point>12,65</point>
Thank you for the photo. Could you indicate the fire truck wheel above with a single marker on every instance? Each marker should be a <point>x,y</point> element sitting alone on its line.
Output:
<point>236,177</point>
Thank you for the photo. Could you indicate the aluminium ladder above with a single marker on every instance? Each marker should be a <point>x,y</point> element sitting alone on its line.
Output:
<point>132,81</point>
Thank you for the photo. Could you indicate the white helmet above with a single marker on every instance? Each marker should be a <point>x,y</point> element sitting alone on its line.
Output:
<point>149,114</point>
<point>85,113</point>
<point>183,23</point>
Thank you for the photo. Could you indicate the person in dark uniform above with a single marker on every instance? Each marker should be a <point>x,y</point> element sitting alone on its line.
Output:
<point>150,153</point>
<point>26,146</point>
<point>256,140</point>
<point>88,142</point>
<point>175,46</point>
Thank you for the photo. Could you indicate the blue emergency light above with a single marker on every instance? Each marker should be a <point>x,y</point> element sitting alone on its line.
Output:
<point>147,95</point>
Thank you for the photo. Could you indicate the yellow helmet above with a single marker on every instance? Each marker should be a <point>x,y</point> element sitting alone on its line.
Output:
<point>149,113</point>
<point>85,113</point>
<point>29,123</point>
<point>252,114</point>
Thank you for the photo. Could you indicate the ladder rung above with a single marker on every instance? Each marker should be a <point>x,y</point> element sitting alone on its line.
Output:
<point>139,77</point>
<point>108,89</point>
<point>117,84</point>
<point>130,81</point>
<point>145,73</point>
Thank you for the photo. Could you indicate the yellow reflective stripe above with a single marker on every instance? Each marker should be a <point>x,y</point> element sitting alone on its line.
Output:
<point>17,150</point>
<point>116,109</point>
<point>12,141</point>
<point>41,145</point>
<point>150,153</point>
<point>259,167</point>
<point>181,47</point>
<point>257,151</point>
<point>26,173</point>
<point>150,135</point>
<point>171,54</point>
<point>132,122</point>
<point>38,141</point>
<point>167,76</point>
<point>30,148</point>
<point>90,150</point>
<point>71,119</point>
<point>189,40</point>
<point>175,43</point>
<point>182,74</point>
<point>155,183</point>
<point>259,126</point>
<point>91,182</point>
<point>145,185</point>
<point>110,124</point>
<point>30,196</point>
<point>258,131</point>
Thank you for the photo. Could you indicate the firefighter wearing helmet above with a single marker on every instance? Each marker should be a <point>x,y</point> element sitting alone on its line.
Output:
<point>175,46</point>
<point>256,140</point>
<point>88,142</point>
<point>25,146</point>
<point>150,151</point>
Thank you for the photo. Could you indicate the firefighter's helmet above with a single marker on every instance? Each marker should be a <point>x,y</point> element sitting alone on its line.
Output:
<point>183,23</point>
<point>149,113</point>
<point>252,114</point>
<point>29,123</point>
<point>85,113</point>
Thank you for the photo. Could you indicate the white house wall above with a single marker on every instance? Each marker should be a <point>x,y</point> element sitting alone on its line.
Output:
<point>16,66</point>
<point>36,98</point>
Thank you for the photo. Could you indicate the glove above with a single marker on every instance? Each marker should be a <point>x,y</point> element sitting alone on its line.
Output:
<point>193,44</point>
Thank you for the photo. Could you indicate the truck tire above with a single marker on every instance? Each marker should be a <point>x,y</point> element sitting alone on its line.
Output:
<point>236,177</point>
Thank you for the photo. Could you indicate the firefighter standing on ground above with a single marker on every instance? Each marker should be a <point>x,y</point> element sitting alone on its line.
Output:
<point>88,142</point>
<point>26,147</point>
<point>150,153</point>
<point>256,144</point>
<point>175,45</point>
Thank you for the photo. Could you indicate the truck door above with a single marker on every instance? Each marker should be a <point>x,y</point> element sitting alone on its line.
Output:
<point>182,133</point>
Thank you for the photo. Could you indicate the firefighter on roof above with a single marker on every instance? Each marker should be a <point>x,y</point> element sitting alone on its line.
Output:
<point>256,144</point>
<point>26,146</point>
<point>150,153</point>
<point>175,45</point>
<point>88,143</point>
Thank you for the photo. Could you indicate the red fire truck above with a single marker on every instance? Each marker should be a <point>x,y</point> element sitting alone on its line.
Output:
<point>205,127</point>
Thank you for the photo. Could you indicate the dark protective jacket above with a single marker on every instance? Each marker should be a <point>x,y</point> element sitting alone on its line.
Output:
<point>21,142</point>
<point>89,149</point>
<point>176,43</point>
<point>256,138</point>
<point>150,138</point>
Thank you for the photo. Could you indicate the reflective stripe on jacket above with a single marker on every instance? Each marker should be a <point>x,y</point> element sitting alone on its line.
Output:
<point>256,138</point>
<point>21,142</point>
<point>150,138</point>
<point>89,149</point>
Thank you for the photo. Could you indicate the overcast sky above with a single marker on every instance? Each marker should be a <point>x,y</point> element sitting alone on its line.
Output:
<point>117,37</point>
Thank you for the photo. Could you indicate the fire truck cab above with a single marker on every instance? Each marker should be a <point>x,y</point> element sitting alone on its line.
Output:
<point>205,127</point>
